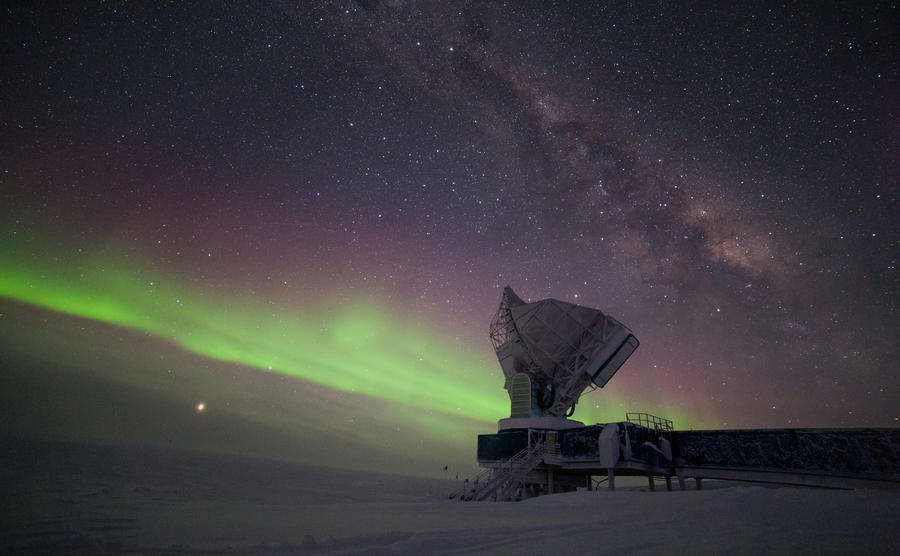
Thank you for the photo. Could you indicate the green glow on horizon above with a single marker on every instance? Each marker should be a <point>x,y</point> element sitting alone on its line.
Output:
<point>362,348</point>
<point>354,349</point>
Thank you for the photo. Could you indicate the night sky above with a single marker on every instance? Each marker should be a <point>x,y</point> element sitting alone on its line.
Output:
<point>308,211</point>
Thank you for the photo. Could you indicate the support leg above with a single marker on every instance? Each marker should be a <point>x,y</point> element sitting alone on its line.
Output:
<point>550,482</point>
<point>650,481</point>
<point>699,481</point>
<point>611,479</point>
<point>669,483</point>
<point>590,483</point>
<point>680,483</point>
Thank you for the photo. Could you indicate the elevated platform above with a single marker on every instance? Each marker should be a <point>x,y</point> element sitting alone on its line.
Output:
<point>543,422</point>
<point>833,458</point>
<point>828,458</point>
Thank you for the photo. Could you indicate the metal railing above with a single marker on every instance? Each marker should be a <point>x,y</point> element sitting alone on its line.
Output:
<point>470,485</point>
<point>488,481</point>
<point>650,421</point>
<point>510,473</point>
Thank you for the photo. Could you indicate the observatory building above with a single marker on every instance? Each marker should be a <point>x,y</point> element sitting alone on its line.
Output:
<point>552,351</point>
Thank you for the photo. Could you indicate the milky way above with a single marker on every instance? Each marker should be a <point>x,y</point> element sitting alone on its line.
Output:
<point>722,180</point>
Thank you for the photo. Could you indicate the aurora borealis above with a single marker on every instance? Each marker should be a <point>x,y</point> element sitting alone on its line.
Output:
<point>307,212</point>
<point>356,349</point>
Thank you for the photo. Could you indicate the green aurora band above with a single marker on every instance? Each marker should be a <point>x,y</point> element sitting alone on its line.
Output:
<point>359,348</point>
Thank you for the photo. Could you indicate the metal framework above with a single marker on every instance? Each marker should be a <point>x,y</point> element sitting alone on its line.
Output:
<point>650,421</point>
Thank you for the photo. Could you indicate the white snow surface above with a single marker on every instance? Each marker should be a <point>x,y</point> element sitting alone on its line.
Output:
<point>77,498</point>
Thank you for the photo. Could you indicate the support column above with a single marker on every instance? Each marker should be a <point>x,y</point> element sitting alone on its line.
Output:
<point>669,483</point>
<point>550,482</point>
<point>590,483</point>
<point>611,479</point>
<point>699,481</point>
<point>650,481</point>
<point>680,482</point>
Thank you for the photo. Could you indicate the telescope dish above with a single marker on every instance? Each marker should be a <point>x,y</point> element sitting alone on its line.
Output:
<point>561,347</point>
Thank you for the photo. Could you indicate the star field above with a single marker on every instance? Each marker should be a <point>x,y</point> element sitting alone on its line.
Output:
<point>722,179</point>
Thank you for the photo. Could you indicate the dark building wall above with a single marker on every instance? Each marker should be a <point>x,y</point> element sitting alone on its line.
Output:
<point>577,443</point>
<point>503,445</point>
<point>828,450</point>
<point>581,442</point>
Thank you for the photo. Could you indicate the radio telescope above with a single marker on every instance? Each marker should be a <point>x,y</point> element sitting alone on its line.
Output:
<point>551,351</point>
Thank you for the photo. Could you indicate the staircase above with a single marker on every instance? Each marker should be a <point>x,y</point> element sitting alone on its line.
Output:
<point>502,481</point>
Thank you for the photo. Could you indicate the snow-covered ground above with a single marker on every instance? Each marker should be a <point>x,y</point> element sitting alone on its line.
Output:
<point>65,497</point>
